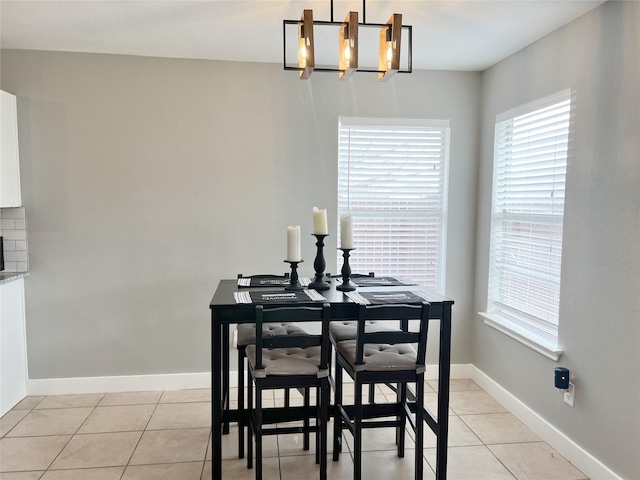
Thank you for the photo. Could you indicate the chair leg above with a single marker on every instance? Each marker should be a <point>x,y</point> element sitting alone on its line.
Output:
<point>337,418</point>
<point>241,411</point>
<point>258,432</point>
<point>322,430</point>
<point>398,418</point>
<point>250,423</point>
<point>225,377</point>
<point>357,437</point>
<point>419,427</point>
<point>372,393</point>
<point>319,394</point>
<point>306,424</point>
<point>401,397</point>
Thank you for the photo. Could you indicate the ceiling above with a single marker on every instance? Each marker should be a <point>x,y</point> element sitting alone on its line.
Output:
<point>468,35</point>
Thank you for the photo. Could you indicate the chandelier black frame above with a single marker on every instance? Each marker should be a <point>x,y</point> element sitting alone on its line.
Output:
<point>388,51</point>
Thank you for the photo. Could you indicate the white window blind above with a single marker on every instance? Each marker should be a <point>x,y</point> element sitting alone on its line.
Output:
<point>392,178</point>
<point>530,164</point>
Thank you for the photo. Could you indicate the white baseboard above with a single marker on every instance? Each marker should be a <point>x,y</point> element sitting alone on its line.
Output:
<point>130,383</point>
<point>583,460</point>
<point>177,381</point>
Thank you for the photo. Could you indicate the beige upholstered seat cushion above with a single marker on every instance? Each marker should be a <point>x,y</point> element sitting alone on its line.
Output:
<point>247,331</point>
<point>287,361</point>
<point>342,330</point>
<point>380,357</point>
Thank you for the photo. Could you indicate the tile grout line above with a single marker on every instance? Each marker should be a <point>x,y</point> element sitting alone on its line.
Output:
<point>155,407</point>
<point>70,437</point>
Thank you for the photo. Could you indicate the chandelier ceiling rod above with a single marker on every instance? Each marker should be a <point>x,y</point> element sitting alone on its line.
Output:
<point>364,12</point>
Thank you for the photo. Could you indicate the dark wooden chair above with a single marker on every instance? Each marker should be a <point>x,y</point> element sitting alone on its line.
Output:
<point>289,361</point>
<point>383,357</point>
<point>246,335</point>
<point>341,330</point>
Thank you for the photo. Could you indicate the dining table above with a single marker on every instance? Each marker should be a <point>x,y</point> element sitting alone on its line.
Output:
<point>234,303</point>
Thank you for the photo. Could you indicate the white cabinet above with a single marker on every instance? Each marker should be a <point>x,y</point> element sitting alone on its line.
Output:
<point>10,195</point>
<point>13,351</point>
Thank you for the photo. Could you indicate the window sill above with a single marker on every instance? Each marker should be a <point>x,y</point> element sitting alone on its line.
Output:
<point>531,340</point>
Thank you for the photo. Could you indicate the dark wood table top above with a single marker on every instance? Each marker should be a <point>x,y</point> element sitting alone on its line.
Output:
<point>226,310</point>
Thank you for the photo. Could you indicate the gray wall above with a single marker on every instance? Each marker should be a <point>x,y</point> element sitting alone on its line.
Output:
<point>148,180</point>
<point>598,57</point>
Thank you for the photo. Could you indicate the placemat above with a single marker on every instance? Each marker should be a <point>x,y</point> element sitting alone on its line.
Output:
<point>279,296</point>
<point>380,298</point>
<point>270,281</point>
<point>381,282</point>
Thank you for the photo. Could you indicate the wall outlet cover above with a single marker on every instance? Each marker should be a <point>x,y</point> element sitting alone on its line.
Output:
<point>569,395</point>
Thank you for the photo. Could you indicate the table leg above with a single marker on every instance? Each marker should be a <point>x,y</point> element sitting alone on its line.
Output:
<point>443,394</point>
<point>217,404</point>
<point>225,377</point>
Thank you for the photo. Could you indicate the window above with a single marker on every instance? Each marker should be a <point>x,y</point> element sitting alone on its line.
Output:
<point>392,178</point>
<point>530,164</point>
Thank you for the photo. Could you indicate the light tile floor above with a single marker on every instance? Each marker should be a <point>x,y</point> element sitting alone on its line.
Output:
<point>167,435</point>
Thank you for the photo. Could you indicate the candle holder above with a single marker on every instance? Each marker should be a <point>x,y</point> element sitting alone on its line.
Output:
<point>346,285</point>
<point>319,265</point>
<point>293,281</point>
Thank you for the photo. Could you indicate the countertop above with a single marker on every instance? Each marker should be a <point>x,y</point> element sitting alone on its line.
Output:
<point>6,277</point>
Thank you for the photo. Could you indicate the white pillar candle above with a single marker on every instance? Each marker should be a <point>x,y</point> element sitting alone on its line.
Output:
<point>293,243</point>
<point>346,231</point>
<point>320,222</point>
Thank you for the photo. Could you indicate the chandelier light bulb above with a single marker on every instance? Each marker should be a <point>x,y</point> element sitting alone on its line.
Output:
<point>302,56</point>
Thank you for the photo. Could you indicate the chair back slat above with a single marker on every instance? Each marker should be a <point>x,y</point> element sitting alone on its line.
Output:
<point>292,341</point>
<point>399,312</point>
<point>289,314</point>
<point>391,338</point>
<point>277,314</point>
<point>394,311</point>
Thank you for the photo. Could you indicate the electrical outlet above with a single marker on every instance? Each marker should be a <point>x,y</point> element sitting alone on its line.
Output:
<point>569,394</point>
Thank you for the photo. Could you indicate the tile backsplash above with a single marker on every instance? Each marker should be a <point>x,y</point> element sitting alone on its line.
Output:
<point>13,229</point>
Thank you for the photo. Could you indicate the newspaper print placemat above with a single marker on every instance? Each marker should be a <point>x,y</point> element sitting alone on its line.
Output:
<point>270,281</point>
<point>380,298</point>
<point>381,282</point>
<point>298,296</point>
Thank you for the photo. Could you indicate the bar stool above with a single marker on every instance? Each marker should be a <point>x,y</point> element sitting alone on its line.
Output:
<point>380,358</point>
<point>341,330</point>
<point>246,335</point>
<point>291,361</point>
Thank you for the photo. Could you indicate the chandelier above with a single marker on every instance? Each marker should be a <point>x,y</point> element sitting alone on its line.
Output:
<point>344,52</point>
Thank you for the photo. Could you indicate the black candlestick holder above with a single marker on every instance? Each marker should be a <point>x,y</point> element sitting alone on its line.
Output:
<point>319,265</point>
<point>346,285</point>
<point>293,281</point>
